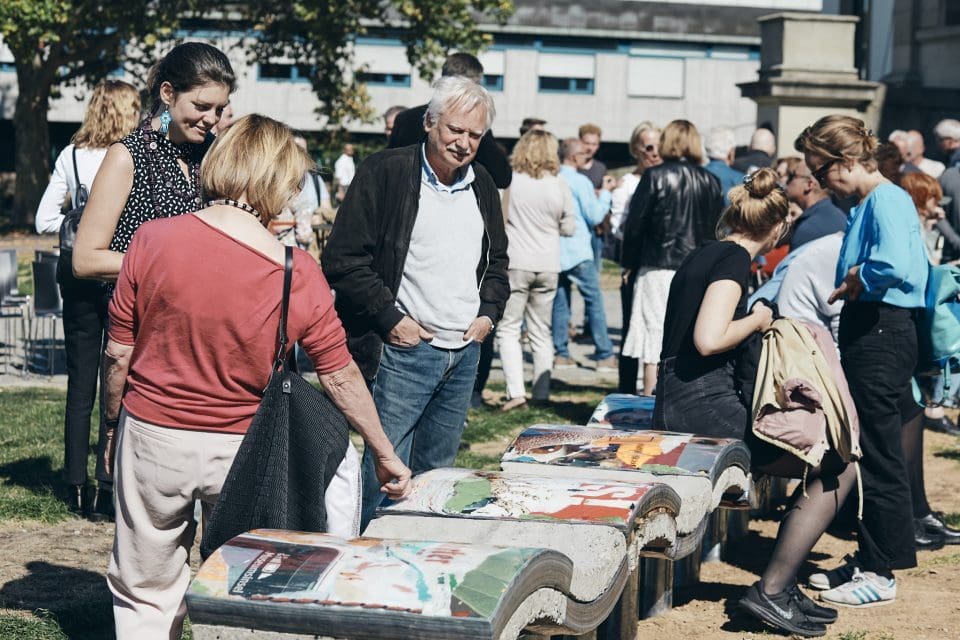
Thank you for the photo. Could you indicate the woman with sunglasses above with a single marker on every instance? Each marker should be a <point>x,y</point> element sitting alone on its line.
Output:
<point>645,147</point>
<point>882,276</point>
<point>707,335</point>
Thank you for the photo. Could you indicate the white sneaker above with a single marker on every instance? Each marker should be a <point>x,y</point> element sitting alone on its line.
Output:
<point>865,589</point>
<point>835,577</point>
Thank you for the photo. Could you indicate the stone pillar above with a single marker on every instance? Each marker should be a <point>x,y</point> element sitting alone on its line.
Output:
<point>807,71</point>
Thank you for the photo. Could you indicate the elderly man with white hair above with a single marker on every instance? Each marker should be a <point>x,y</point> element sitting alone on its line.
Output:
<point>948,135</point>
<point>418,260</point>
<point>720,145</point>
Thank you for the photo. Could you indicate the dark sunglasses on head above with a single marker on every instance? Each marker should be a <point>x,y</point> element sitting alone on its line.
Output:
<point>821,173</point>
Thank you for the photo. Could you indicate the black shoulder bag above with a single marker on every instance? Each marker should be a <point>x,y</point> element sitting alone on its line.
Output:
<point>68,228</point>
<point>287,458</point>
<point>71,220</point>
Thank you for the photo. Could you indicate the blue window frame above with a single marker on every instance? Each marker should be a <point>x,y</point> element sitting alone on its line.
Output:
<point>384,79</point>
<point>284,72</point>
<point>552,84</point>
<point>492,82</point>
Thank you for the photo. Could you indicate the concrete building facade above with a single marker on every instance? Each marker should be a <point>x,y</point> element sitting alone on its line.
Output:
<point>612,62</point>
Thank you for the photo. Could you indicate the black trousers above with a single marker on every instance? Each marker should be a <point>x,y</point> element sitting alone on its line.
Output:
<point>84,328</point>
<point>878,350</point>
<point>627,368</point>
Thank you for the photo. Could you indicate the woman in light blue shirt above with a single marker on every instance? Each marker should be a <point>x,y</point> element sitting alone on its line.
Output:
<point>882,275</point>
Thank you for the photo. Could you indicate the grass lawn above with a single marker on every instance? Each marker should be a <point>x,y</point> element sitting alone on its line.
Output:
<point>31,463</point>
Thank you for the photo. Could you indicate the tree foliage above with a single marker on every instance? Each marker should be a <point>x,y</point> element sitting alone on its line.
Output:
<point>57,42</point>
<point>321,33</point>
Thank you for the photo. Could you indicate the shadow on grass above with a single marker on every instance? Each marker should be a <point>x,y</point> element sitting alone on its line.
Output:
<point>31,473</point>
<point>76,599</point>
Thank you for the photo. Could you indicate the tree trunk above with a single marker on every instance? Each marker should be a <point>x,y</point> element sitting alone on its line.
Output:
<point>32,139</point>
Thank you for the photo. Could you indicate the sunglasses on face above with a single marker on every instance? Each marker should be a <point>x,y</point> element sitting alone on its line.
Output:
<point>821,173</point>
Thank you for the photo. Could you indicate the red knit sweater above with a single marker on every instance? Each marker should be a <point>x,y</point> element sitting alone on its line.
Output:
<point>201,311</point>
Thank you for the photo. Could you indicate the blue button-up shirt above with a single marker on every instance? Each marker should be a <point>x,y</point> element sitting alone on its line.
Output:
<point>883,237</point>
<point>465,176</point>
<point>591,209</point>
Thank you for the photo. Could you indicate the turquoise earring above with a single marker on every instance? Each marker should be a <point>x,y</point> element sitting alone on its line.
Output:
<point>165,120</point>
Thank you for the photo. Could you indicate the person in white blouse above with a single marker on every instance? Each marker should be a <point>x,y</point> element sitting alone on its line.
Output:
<point>344,170</point>
<point>645,147</point>
<point>113,112</point>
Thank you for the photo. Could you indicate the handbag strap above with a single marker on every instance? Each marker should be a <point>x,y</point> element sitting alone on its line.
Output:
<point>316,186</point>
<point>81,192</point>
<point>284,305</point>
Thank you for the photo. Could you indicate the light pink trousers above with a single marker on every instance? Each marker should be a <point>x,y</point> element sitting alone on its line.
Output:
<point>160,472</point>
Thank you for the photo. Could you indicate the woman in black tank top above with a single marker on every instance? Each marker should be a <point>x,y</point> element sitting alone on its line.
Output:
<point>153,172</point>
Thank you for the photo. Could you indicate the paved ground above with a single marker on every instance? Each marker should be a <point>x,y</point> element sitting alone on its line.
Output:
<point>586,372</point>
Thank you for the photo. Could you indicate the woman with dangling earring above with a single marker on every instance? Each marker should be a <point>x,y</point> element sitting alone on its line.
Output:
<point>152,173</point>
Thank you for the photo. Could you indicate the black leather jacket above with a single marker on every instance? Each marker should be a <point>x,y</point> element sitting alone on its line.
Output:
<point>674,210</point>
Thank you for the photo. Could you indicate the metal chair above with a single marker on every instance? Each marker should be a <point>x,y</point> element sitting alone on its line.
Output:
<point>47,307</point>
<point>41,255</point>
<point>13,307</point>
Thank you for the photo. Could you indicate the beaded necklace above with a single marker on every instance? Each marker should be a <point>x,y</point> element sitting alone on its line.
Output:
<point>239,205</point>
<point>159,148</point>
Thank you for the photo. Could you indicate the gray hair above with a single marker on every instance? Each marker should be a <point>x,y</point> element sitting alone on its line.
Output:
<point>719,142</point>
<point>638,131</point>
<point>948,128</point>
<point>461,94</point>
<point>897,134</point>
<point>569,147</point>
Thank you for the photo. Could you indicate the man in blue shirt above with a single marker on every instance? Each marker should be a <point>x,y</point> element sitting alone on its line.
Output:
<point>576,260</point>
<point>820,216</point>
<point>720,146</point>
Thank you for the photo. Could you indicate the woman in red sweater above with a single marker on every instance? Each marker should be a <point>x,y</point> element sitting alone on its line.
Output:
<point>193,331</point>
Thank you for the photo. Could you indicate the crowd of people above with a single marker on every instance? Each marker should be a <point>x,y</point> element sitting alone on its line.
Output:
<point>443,248</point>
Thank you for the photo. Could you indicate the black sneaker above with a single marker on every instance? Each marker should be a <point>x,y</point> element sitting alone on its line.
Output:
<point>102,509</point>
<point>815,612</point>
<point>781,611</point>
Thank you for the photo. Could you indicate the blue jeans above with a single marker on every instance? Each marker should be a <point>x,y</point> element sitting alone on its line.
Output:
<point>422,394</point>
<point>587,279</point>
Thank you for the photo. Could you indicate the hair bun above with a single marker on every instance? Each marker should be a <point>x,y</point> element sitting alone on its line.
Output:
<point>760,183</point>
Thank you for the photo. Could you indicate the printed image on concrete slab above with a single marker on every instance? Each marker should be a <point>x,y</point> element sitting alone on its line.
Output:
<point>298,582</point>
<point>654,452</point>
<point>624,411</point>
<point>483,494</point>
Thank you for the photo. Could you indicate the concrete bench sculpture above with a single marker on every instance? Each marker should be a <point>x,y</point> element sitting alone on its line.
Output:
<point>624,411</point>
<point>289,585</point>
<point>508,553</point>
<point>706,473</point>
<point>602,526</point>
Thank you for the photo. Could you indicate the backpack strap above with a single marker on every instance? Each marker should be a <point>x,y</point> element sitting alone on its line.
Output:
<point>80,196</point>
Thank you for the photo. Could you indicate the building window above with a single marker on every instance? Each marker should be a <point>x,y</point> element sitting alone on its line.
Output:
<point>655,77</point>
<point>385,79</point>
<point>288,72</point>
<point>550,84</point>
<point>565,73</point>
<point>492,82</point>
